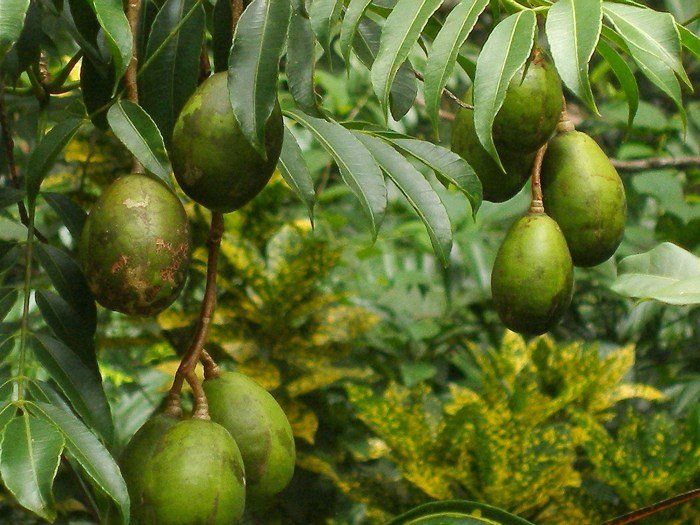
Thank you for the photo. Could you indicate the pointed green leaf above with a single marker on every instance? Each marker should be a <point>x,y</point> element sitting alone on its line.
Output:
<point>137,131</point>
<point>115,26</point>
<point>72,215</point>
<point>172,75</point>
<point>29,458</point>
<point>573,29</point>
<point>505,51</point>
<point>351,19</point>
<point>624,76</point>
<point>296,173</point>
<point>418,192</point>
<point>401,31</point>
<point>445,49</point>
<point>357,167</point>
<point>87,450</point>
<point>8,298</point>
<point>10,195</point>
<point>44,155</point>
<point>690,40</point>
<point>301,61</point>
<point>12,13</point>
<point>324,15</point>
<point>254,65</point>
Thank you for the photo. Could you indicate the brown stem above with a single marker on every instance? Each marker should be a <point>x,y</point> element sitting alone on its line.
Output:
<point>659,506</point>
<point>536,204</point>
<point>194,352</point>
<point>10,156</point>
<point>445,115</point>
<point>236,12</point>
<point>449,94</point>
<point>132,91</point>
<point>565,125</point>
<point>656,162</point>
<point>211,369</point>
<point>201,406</point>
<point>44,75</point>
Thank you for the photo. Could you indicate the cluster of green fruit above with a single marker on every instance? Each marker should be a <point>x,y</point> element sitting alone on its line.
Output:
<point>181,472</point>
<point>532,278</point>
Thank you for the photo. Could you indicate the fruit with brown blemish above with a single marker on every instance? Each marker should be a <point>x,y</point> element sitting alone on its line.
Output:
<point>258,424</point>
<point>532,278</point>
<point>184,472</point>
<point>134,247</point>
<point>585,195</point>
<point>212,160</point>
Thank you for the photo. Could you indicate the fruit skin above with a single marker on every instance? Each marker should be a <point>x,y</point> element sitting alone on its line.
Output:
<point>190,474</point>
<point>532,279</point>
<point>134,247</point>
<point>213,162</point>
<point>585,195</point>
<point>497,185</point>
<point>531,109</point>
<point>261,430</point>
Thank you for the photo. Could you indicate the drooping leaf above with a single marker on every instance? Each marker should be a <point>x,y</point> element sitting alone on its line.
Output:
<point>137,131</point>
<point>357,167</point>
<point>351,19</point>
<point>301,59</point>
<point>624,75</point>
<point>8,298</point>
<point>85,29</point>
<point>690,40</point>
<point>26,49</point>
<point>417,190</point>
<point>399,34</point>
<point>110,14</point>
<point>72,215</point>
<point>296,173</point>
<point>573,29</point>
<point>82,386</point>
<point>87,450</point>
<point>457,512</point>
<point>12,13</point>
<point>324,15</point>
<point>667,273</point>
<point>29,458</point>
<point>171,78</point>
<point>96,86</point>
<point>44,155</point>
<point>505,51</point>
<point>254,65</point>
<point>9,196</point>
<point>445,49</point>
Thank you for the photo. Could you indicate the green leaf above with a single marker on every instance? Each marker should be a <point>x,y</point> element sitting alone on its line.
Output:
<point>44,155</point>
<point>85,29</point>
<point>12,13</point>
<point>445,164</point>
<point>351,19</point>
<point>10,196</point>
<point>324,15</point>
<point>418,192</point>
<point>401,30</point>
<point>254,65</point>
<point>624,76</point>
<point>690,40</point>
<point>26,50</point>
<point>301,60</point>
<point>457,512</point>
<point>82,386</point>
<point>221,34</point>
<point>29,458</point>
<point>573,29</point>
<point>296,173</point>
<point>445,49</point>
<point>87,450</point>
<point>357,167</point>
<point>505,51</point>
<point>72,215</point>
<point>110,15</point>
<point>9,256</point>
<point>8,298</point>
<point>68,280</point>
<point>171,78</point>
<point>96,87</point>
<point>137,131</point>
<point>667,273</point>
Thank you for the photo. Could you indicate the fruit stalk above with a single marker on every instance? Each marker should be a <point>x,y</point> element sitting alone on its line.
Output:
<point>536,204</point>
<point>565,125</point>
<point>211,369</point>
<point>132,91</point>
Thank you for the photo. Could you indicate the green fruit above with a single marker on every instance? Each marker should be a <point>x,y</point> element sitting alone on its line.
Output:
<point>212,160</point>
<point>134,247</point>
<point>187,473</point>
<point>531,108</point>
<point>584,194</point>
<point>497,185</point>
<point>261,430</point>
<point>532,278</point>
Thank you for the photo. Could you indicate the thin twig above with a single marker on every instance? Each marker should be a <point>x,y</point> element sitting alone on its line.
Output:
<point>659,506</point>
<point>65,72</point>
<point>536,204</point>
<point>447,92</point>
<point>132,91</point>
<point>443,114</point>
<point>656,162</point>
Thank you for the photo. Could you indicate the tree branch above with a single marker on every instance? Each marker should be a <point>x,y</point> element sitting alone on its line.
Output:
<point>131,85</point>
<point>447,92</point>
<point>656,162</point>
<point>637,515</point>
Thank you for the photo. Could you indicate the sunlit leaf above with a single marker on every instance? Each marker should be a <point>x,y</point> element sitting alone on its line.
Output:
<point>296,173</point>
<point>624,75</point>
<point>12,13</point>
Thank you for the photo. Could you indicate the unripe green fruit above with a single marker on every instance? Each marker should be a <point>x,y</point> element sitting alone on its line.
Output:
<point>187,473</point>
<point>261,430</point>
<point>134,246</point>
<point>584,194</point>
<point>497,185</point>
<point>531,109</point>
<point>532,279</point>
<point>212,160</point>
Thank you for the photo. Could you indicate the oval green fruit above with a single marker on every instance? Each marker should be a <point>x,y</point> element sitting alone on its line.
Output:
<point>585,195</point>
<point>188,473</point>
<point>212,160</point>
<point>532,279</point>
<point>531,108</point>
<point>498,186</point>
<point>134,247</point>
<point>261,430</point>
